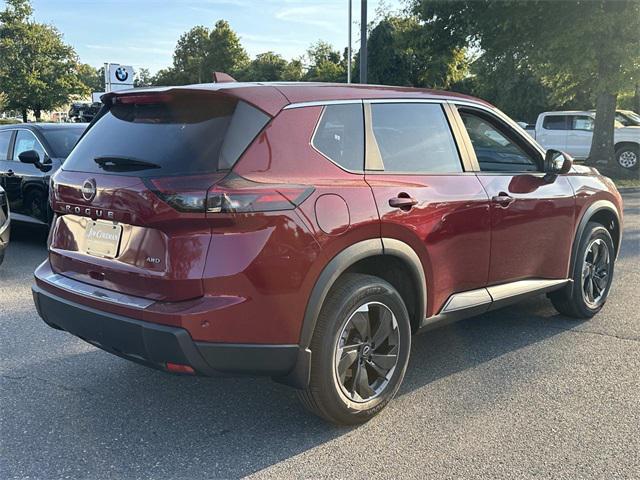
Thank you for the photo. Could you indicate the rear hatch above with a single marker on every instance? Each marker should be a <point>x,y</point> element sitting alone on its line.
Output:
<point>131,197</point>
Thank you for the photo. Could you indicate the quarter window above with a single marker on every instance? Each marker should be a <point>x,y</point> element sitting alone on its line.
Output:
<point>414,137</point>
<point>5,139</point>
<point>495,151</point>
<point>340,135</point>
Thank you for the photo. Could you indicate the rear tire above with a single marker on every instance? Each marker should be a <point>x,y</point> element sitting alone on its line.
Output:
<point>592,275</point>
<point>360,350</point>
<point>628,157</point>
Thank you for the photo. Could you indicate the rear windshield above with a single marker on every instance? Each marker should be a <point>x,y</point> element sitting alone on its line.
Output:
<point>62,140</point>
<point>174,136</point>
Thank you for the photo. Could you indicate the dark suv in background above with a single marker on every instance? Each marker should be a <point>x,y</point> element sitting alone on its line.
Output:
<point>29,154</point>
<point>307,231</point>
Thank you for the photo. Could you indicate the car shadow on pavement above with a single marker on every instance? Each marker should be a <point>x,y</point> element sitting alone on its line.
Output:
<point>109,415</point>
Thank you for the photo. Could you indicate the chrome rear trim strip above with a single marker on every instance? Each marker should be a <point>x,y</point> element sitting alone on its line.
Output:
<point>96,293</point>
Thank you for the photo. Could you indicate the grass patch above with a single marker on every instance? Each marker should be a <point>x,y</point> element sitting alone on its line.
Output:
<point>627,182</point>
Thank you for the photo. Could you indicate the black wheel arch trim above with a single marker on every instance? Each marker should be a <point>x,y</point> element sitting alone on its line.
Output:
<point>299,376</point>
<point>595,207</point>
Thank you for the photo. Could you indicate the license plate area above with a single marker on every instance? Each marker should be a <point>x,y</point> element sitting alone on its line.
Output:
<point>102,238</point>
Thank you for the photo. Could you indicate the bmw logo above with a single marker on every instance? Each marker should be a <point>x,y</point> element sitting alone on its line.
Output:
<point>122,74</point>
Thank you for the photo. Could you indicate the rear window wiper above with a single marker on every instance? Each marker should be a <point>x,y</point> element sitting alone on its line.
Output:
<point>125,164</point>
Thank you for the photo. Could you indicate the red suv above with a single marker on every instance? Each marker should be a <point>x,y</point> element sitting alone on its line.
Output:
<point>307,231</point>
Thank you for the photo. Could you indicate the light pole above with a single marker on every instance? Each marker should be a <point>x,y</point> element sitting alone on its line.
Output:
<point>349,48</point>
<point>363,41</point>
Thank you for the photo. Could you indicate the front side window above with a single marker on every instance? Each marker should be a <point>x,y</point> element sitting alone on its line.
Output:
<point>555,122</point>
<point>25,140</point>
<point>340,135</point>
<point>495,151</point>
<point>414,138</point>
<point>582,122</point>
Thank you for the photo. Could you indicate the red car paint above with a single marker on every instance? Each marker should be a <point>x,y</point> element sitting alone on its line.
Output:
<point>247,278</point>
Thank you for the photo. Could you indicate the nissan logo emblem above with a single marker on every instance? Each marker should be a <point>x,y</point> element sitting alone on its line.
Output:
<point>89,189</point>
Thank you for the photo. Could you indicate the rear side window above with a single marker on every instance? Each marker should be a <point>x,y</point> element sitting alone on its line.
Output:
<point>555,122</point>
<point>175,135</point>
<point>340,135</point>
<point>5,139</point>
<point>582,122</point>
<point>414,137</point>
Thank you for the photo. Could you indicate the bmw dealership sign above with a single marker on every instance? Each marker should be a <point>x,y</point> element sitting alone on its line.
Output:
<point>118,77</point>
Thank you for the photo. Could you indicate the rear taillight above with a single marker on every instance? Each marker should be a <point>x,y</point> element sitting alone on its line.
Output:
<point>234,194</point>
<point>239,195</point>
<point>185,194</point>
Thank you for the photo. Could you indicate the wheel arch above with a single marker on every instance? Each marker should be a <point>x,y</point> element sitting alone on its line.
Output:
<point>605,213</point>
<point>358,258</point>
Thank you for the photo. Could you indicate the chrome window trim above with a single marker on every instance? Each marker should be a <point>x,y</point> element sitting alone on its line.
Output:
<point>320,103</point>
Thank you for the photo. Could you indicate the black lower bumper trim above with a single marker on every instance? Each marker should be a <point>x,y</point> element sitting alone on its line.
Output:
<point>154,345</point>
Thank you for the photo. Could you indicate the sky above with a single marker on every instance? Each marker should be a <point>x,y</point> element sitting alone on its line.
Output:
<point>143,33</point>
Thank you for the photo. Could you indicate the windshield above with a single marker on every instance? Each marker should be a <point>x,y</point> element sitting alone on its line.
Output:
<point>62,140</point>
<point>169,136</point>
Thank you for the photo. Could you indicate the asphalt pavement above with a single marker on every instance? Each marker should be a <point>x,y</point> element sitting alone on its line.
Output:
<point>519,393</point>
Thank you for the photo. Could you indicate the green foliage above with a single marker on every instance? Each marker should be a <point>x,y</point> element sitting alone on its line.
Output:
<point>38,71</point>
<point>143,78</point>
<point>574,52</point>
<point>402,52</point>
<point>266,67</point>
<point>325,64</point>
<point>225,52</point>
<point>93,78</point>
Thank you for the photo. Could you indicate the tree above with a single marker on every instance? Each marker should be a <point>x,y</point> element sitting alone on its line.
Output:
<point>401,52</point>
<point>225,52</point>
<point>580,50</point>
<point>143,78</point>
<point>37,70</point>
<point>266,67</point>
<point>3,101</point>
<point>190,56</point>
<point>325,64</point>
<point>93,78</point>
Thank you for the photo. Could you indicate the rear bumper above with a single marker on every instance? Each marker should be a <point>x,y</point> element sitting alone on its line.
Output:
<point>155,345</point>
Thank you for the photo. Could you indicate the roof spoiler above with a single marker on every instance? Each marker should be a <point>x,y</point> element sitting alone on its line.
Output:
<point>221,77</point>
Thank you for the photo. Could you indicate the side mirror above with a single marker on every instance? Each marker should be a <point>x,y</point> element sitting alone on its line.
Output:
<point>557,162</point>
<point>30,156</point>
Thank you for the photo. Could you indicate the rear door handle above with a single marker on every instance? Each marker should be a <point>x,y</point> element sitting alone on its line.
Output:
<point>503,199</point>
<point>403,202</point>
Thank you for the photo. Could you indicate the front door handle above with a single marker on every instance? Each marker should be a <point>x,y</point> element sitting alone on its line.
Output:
<point>403,201</point>
<point>503,199</point>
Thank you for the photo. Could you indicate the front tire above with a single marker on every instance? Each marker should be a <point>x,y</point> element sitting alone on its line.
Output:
<point>360,350</point>
<point>592,275</point>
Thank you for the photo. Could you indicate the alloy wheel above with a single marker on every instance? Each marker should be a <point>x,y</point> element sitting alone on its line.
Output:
<point>628,159</point>
<point>366,352</point>
<point>595,272</point>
